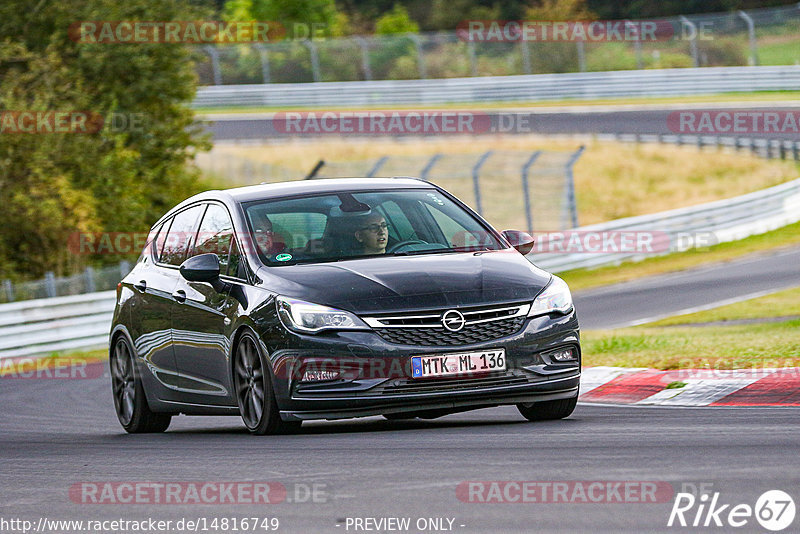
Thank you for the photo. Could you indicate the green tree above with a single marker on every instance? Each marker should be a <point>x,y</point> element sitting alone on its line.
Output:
<point>120,179</point>
<point>396,21</point>
<point>300,18</point>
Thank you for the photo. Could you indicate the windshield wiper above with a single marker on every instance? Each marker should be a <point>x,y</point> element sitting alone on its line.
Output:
<point>423,251</point>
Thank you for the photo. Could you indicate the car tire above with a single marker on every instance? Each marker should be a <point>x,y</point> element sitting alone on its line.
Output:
<point>548,410</point>
<point>254,393</point>
<point>130,402</point>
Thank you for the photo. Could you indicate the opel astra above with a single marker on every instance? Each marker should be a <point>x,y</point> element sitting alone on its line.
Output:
<point>331,299</point>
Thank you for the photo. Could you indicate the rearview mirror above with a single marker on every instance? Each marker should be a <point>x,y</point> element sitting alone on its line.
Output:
<point>201,268</point>
<point>521,241</point>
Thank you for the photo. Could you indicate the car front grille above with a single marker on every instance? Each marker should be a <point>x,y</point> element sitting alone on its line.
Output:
<point>426,328</point>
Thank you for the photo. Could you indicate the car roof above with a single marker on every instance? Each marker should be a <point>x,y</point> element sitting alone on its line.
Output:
<point>328,185</point>
<point>300,187</point>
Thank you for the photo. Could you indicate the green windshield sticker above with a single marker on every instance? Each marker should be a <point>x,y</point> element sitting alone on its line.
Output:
<point>283,257</point>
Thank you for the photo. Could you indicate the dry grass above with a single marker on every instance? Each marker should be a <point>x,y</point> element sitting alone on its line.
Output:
<point>612,180</point>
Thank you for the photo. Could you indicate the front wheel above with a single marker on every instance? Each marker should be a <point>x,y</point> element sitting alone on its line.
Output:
<point>129,400</point>
<point>257,404</point>
<point>548,410</point>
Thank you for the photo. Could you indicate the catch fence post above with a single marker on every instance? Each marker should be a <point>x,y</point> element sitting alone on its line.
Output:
<point>526,190</point>
<point>8,287</point>
<point>428,166</point>
<point>476,186</point>
<point>213,53</point>
<point>571,208</point>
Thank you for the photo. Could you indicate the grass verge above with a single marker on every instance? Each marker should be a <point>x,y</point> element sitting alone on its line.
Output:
<point>781,304</point>
<point>714,347</point>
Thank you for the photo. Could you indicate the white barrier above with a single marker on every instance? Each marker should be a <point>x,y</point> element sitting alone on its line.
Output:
<point>722,220</point>
<point>43,326</point>
<point>525,88</point>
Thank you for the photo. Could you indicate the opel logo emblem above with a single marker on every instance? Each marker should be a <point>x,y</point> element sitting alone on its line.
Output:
<point>453,320</point>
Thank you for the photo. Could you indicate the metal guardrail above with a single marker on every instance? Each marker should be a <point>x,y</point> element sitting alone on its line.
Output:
<point>765,147</point>
<point>43,326</point>
<point>526,88</point>
<point>723,220</point>
<point>90,280</point>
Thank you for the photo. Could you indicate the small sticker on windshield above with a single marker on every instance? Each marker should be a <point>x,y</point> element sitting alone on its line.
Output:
<point>436,199</point>
<point>283,257</point>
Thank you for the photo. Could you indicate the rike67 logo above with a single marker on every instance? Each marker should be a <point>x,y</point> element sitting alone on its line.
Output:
<point>774,510</point>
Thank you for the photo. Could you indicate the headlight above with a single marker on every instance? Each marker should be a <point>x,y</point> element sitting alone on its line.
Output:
<point>555,298</point>
<point>312,318</point>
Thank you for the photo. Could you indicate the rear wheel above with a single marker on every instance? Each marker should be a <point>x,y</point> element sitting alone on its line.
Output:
<point>130,402</point>
<point>257,404</point>
<point>548,410</point>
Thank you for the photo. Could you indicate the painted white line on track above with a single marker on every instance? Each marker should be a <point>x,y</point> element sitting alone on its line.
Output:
<point>703,307</point>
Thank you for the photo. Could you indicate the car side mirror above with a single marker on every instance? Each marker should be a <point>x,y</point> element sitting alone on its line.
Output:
<point>201,268</point>
<point>521,241</point>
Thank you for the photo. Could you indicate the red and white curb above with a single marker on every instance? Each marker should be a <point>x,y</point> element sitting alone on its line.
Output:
<point>691,387</point>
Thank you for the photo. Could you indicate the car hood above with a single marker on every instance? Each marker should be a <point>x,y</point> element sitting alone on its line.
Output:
<point>387,283</point>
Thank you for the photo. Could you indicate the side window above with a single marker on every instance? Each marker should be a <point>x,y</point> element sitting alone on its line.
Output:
<point>180,236</point>
<point>215,236</point>
<point>295,230</point>
<point>158,246</point>
<point>235,261</point>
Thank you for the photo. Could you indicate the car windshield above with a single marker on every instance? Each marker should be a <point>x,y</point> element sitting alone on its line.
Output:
<point>347,225</point>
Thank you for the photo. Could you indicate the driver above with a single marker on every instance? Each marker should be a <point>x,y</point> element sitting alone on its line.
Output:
<point>372,234</point>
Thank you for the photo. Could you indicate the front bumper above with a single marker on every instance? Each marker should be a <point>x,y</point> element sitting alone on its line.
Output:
<point>376,378</point>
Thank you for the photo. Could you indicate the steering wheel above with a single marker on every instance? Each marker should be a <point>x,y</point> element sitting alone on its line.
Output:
<point>402,244</point>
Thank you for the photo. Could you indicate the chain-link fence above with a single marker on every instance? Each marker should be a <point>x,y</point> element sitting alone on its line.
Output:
<point>88,281</point>
<point>769,36</point>
<point>516,189</point>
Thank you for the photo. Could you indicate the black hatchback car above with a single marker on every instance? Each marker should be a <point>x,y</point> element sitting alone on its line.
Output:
<point>330,299</point>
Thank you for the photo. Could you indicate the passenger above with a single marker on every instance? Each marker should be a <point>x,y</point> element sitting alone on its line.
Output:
<point>264,236</point>
<point>372,234</point>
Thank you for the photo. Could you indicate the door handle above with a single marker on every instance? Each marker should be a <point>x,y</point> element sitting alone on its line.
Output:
<point>141,286</point>
<point>179,295</point>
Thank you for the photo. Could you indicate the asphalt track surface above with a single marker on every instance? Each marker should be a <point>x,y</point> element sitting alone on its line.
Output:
<point>56,433</point>
<point>622,120</point>
<point>710,285</point>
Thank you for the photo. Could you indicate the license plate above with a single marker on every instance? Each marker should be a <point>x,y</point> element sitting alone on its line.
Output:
<point>458,364</point>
